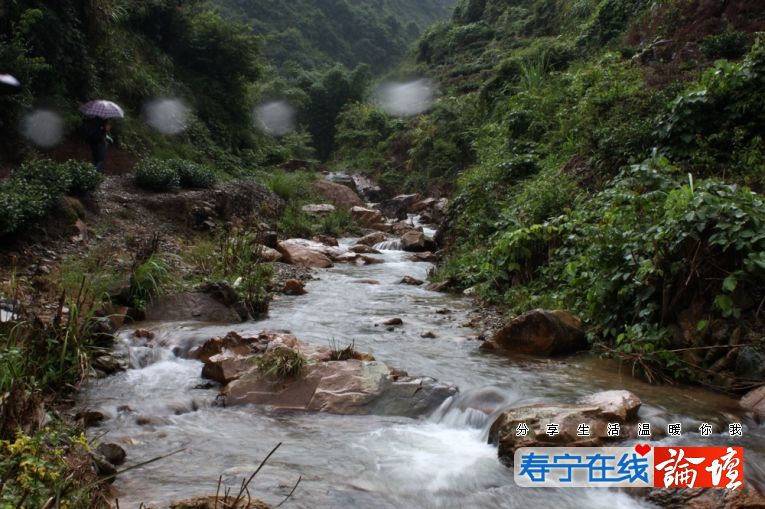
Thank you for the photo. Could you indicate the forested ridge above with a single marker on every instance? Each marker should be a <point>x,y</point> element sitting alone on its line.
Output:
<point>309,34</point>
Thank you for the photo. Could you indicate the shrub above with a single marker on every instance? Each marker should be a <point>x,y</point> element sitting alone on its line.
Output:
<point>290,186</point>
<point>337,223</point>
<point>53,176</point>
<point>34,188</point>
<point>85,177</point>
<point>295,222</point>
<point>729,44</point>
<point>147,280</point>
<point>193,175</point>
<point>156,175</point>
<point>281,363</point>
<point>37,469</point>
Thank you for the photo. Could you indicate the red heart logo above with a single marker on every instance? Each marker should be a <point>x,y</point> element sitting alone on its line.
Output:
<point>642,449</point>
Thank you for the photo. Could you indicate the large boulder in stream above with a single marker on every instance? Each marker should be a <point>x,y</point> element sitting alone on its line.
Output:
<point>213,302</point>
<point>373,238</point>
<point>305,253</point>
<point>398,207</point>
<point>342,387</point>
<point>754,401</point>
<point>417,241</point>
<point>340,195</point>
<point>356,384</point>
<point>595,411</point>
<point>540,332</point>
<point>366,217</point>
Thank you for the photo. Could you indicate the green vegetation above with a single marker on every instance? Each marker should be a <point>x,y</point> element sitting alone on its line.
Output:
<point>281,363</point>
<point>50,465</point>
<point>193,175</point>
<point>156,175</point>
<point>594,169</point>
<point>343,353</point>
<point>147,280</point>
<point>35,187</point>
<point>235,256</point>
<point>165,175</point>
<point>309,33</point>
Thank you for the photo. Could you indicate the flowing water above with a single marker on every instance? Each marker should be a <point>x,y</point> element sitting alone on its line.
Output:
<point>439,461</point>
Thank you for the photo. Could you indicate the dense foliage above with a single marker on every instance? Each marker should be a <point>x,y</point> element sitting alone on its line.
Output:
<point>309,33</point>
<point>595,169</point>
<point>35,188</point>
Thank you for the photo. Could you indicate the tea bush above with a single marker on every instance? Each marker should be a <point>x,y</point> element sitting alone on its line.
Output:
<point>33,189</point>
<point>193,175</point>
<point>156,175</point>
<point>85,177</point>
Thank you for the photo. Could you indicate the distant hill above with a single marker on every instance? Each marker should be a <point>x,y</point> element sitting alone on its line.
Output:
<point>316,33</point>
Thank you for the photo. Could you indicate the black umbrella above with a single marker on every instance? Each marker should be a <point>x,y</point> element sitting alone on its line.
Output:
<point>9,84</point>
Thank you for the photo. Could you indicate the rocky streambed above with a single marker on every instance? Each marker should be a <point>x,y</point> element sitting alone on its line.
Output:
<point>411,428</point>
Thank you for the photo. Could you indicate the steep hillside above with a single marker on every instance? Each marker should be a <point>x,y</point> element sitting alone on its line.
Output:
<point>315,33</point>
<point>597,153</point>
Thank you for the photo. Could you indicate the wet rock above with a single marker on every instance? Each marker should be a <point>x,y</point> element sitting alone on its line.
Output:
<point>423,205</point>
<point>744,497</point>
<point>604,408</point>
<point>409,280</point>
<point>617,405</point>
<point>231,341</point>
<point>113,453</point>
<point>540,332</point>
<point>425,256</point>
<point>218,502</point>
<point>294,287</point>
<point>304,255</point>
<point>318,209</point>
<point>367,282</point>
<point>443,311</point>
<point>90,418</point>
<point>109,364</point>
<point>224,293</point>
<point>371,260</point>
<point>365,216</point>
<point>226,367</point>
<point>398,207</point>
<point>342,387</point>
<point>350,257</point>
<point>366,188</point>
<point>394,321</point>
<point>373,238</point>
<point>441,286</point>
<point>326,240</point>
<point>754,401</point>
<point>266,254</point>
<point>342,196</point>
<point>143,333</point>
<point>414,240</point>
<point>102,465</point>
<point>750,363</point>
<point>381,227</point>
<point>197,306</point>
<point>364,249</point>
<point>428,335</point>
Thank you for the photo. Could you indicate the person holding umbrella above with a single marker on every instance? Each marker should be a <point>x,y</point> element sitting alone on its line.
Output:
<point>97,128</point>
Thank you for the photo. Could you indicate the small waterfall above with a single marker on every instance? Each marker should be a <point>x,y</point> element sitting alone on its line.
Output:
<point>474,409</point>
<point>389,245</point>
